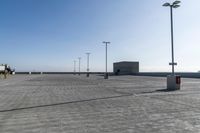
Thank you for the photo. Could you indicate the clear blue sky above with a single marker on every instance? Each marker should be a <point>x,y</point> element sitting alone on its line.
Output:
<point>48,35</point>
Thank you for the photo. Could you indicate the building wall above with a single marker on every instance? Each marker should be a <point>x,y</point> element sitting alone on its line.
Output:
<point>123,68</point>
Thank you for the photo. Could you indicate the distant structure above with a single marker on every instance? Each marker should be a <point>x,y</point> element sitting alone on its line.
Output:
<point>5,70</point>
<point>125,68</point>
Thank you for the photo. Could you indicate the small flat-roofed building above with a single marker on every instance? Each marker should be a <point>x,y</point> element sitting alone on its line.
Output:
<point>125,68</point>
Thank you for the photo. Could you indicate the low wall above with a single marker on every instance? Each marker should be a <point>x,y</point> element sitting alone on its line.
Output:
<point>154,74</point>
<point>110,73</point>
<point>164,74</point>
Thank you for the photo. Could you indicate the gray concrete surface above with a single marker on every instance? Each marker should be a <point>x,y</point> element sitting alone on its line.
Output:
<point>76,104</point>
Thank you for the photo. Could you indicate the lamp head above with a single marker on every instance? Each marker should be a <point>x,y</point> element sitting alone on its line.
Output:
<point>166,4</point>
<point>176,6</point>
<point>106,42</point>
<point>176,2</point>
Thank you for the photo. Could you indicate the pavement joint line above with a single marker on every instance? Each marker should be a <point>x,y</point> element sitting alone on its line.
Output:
<point>169,101</point>
<point>64,103</point>
<point>120,92</point>
<point>162,93</point>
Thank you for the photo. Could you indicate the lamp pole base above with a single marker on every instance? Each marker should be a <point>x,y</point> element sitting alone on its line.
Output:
<point>173,82</point>
<point>106,76</point>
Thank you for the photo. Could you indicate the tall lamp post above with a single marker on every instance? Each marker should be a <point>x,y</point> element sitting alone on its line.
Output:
<point>79,68</point>
<point>173,5</point>
<point>88,61</point>
<point>74,67</point>
<point>106,72</point>
<point>173,81</point>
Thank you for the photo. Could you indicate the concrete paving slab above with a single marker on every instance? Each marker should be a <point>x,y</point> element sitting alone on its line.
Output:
<point>77,104</point>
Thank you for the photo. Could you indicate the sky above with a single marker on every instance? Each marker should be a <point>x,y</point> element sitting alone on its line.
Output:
<point>48,35</point>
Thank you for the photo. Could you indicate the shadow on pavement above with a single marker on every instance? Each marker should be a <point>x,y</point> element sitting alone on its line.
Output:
<point>64,103</point>
<point>160,90</point>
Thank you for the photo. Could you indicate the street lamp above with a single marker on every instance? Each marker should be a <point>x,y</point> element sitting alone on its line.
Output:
<point>88,57</point>
<point>106,73</point>
<point>74,67</point>
<point>173,81</point>
<point>79,59</point>
<point>173,5</point>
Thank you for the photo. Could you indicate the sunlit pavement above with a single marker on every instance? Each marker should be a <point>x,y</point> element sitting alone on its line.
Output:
<point>77,104</point>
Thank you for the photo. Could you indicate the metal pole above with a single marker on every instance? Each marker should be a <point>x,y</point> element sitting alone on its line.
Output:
<point>106,74</point>
<point>79,65</point>
<point>172,39</point>
<point>88,54</point>
<point>74,67</point>
<point>106,57</point>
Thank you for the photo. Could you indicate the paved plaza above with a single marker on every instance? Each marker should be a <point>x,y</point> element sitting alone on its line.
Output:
<point>77,104</point>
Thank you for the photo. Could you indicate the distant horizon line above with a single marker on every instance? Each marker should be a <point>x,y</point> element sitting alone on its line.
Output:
<point>102,72</point>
